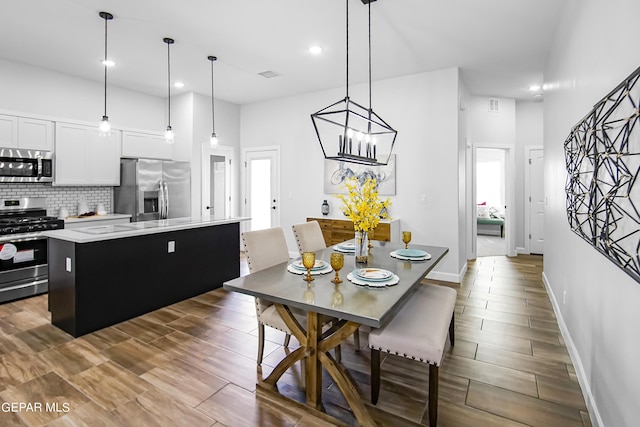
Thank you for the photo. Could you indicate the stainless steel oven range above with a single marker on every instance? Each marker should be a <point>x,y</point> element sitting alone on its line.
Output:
<point>23,248</point>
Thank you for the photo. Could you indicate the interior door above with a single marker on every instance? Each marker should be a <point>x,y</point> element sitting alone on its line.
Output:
<point>262,186</point>
<point>536,205</point>
<point>217,170</point>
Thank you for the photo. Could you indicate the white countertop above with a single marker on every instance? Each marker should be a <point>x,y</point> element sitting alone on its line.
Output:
<point>120,231</point>
<point>70,219</point>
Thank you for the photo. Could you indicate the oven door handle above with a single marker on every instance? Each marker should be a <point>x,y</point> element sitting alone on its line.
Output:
<point>25,285</point>
<point>10,239</point>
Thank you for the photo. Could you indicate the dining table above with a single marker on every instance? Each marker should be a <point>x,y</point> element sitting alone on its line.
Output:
<point>351,304</point>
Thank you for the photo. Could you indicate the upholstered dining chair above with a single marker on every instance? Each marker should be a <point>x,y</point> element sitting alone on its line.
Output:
<point>309,236</point>
<point>418,332</point>
<point>264,249</point>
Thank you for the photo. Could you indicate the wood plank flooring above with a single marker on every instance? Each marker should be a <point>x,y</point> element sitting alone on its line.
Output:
<point>193,364</point>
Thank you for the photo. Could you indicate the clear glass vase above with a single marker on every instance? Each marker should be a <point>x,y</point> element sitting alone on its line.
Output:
<point>362,247</point>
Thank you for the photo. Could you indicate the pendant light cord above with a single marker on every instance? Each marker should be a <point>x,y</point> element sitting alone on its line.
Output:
<point>105,65</point>
<point>169,81</point>
<point>347,2</point>
<point>213,111</point>
<point>369,62</point>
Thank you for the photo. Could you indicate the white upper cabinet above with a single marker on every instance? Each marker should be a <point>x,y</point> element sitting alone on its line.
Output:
<point>35,134</point>
<point>83,157</point>
<point>146,145</point>
<point>25,133</point>
<point>8,131</point>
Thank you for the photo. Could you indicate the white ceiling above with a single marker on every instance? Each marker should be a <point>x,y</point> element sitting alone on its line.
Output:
<point>500,45</point>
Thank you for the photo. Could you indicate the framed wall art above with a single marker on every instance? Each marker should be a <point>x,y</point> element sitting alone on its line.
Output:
<point>602,155</point>
<point>336,172</point>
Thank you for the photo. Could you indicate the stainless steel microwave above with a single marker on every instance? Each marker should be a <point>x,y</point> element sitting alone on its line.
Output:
<point>25,165</point>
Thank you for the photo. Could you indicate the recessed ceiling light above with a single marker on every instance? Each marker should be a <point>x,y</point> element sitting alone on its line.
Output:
<point>534,88</point>
<point>178,84</point>
<point>315,50</point>
<point>108,63</point>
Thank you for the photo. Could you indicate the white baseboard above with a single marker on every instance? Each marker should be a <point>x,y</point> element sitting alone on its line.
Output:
<point>523,251</point>
<point>596,420</point>
<point>448,277</point>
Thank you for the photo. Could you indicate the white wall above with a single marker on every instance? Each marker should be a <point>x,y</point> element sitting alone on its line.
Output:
<point>494,129</point>
<point>491,128</point>
<point>182,112</point>
<point>424,110</point>
<point>193,126</point>
<point>595,48</point>
<point>529,132</point>
<point>228,132</point>
<point>34,90</point>
<point>465,148</point>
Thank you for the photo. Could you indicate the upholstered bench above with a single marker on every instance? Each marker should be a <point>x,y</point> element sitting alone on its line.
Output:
<point>418,332</point>
<point>491,226</point>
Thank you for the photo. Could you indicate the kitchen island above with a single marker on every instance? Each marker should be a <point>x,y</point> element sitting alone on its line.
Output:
<point>100,276</point>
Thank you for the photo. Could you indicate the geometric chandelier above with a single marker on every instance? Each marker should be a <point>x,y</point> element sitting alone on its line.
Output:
<point>349,132</point>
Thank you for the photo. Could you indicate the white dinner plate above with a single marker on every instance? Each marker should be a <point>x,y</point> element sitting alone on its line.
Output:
<point>357,281</point>
<point>373,274</point>
<point>394,254</point>
<point>319,265</point>
<point>344,250</point>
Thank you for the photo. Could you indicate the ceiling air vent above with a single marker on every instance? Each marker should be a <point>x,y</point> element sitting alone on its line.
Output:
<point>494,105</point>
<point>269,74</point>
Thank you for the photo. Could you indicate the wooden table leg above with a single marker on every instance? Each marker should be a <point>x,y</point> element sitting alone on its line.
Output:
<point>314,367</point>
<point>315,346</point>
<point>341,376</point>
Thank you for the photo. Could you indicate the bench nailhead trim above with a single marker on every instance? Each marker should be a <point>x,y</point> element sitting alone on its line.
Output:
<point>427,361</point>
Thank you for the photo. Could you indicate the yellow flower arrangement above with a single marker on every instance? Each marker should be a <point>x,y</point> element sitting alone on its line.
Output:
<point>362,205</point>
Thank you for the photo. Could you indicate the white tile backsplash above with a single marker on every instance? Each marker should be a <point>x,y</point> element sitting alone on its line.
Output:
<point>58,197</point>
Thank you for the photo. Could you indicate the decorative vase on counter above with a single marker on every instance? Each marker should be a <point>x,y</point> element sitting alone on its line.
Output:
<point>325,208</point>
<point>362,247</point>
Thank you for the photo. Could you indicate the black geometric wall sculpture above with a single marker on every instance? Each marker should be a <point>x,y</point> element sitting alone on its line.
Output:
<point>602,155</point>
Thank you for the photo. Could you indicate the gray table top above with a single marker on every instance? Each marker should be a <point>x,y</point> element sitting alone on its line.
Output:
<point>367,306</point>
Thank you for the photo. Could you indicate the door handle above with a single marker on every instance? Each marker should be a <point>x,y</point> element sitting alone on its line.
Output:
<point>208,207</point>
<point>166,201</point>
<point>161,200</point>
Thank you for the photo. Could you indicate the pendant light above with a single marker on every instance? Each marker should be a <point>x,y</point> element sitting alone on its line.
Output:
<point>168,135</point>
<point>349,132</point>
<point>214,138</point>
<point>105,126</point>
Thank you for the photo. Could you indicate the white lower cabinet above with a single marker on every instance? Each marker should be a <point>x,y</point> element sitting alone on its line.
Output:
<point>146,145</point>
<point>83,157</point>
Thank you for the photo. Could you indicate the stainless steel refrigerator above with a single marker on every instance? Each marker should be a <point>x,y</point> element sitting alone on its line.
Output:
<point>153,189</point>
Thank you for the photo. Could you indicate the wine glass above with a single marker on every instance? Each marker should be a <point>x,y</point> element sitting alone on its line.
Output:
<point>337,262</point>
<point>308,261</point>
<point>406,238</point>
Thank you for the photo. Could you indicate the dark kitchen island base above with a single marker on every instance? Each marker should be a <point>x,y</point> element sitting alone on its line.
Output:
<point>96,284</point>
